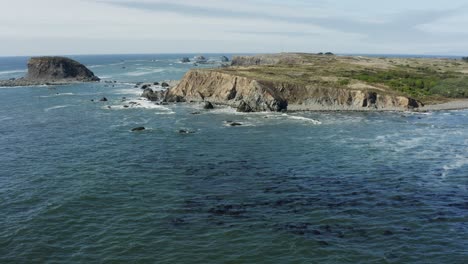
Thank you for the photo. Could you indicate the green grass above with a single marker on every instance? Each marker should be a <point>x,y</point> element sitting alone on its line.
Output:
<point>422,79</point>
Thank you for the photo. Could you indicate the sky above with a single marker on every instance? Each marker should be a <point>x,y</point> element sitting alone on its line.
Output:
<point>72,27</point>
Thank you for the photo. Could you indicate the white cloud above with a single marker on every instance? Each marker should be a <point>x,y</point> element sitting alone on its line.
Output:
<point>31,27</point>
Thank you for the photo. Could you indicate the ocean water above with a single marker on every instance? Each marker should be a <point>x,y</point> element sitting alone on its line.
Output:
<point>77,186</point>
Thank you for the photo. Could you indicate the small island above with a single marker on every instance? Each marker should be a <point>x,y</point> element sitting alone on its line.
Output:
<point>303,82</point>
<point>53,71</point>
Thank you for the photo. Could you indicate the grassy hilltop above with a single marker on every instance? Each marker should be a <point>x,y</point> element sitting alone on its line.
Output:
<point>427,80</point>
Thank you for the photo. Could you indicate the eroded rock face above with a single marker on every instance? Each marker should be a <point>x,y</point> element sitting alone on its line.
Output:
<point>58,69</point>
<point>53,71</point>
<point>249,95</point>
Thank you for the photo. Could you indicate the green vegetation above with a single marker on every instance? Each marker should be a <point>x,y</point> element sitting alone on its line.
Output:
<point>427,80</point>
<point>418,83</point>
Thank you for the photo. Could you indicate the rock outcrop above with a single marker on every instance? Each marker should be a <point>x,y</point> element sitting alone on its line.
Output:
<point>251,95</point>
<point>53,70</point>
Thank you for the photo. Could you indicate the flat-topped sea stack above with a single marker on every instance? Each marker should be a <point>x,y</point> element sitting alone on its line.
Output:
<point>302,82</point>
<point>53,70</point>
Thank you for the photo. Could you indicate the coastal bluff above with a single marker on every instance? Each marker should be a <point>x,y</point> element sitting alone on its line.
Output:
<point>256,95</point>
<point>314,82</point>
<point>53,71</point>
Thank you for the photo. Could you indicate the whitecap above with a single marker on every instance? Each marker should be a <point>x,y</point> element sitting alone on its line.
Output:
<point>144,72</point>
<point>57,94</point>
<point>56,107</point>
<point>140,103</point>
<point>12,71</point>
<point>459,162</point>
<point>302,118</point>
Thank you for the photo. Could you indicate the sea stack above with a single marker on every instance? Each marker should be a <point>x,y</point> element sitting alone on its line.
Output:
<point>58,69</point>
<point>53,70</point>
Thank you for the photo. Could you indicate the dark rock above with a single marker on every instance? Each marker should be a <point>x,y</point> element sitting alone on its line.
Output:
<point>165,84</point>
<point>278,105</point>
<point>185,60</point>
<point>224,59</point>
<point>144,86</point>
<point>126,106</point>
<point>136,129</point>
<point>200,59</point>
<point>244,107</point>
<point>155,83</point>
<point>58,69</point>
<point>104,99</point>
<point>52,71</point>
<point>151,95</point>
<point>183,131</point>
<point>235,124</point>
<point>195,113</point>
<point>208,106</point>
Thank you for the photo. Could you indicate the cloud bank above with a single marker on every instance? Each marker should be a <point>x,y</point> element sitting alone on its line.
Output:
<point>31,27</point>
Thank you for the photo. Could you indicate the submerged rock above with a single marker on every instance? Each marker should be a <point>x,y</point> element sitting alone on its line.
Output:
<point>183,131</point>
<point>136,129</point>
<point>104,99</point>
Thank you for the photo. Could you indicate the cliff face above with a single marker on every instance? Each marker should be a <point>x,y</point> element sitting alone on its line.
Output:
<point>54,71</point>
<point>57,69</point>
<point>248,94</point>
<point>221,88</point>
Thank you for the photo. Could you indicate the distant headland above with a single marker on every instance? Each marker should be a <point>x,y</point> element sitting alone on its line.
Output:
<point>325,82</point>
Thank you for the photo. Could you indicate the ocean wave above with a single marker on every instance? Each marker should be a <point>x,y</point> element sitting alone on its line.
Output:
<point>458,163</point>
<point>141,103</point>
<point>12,71</point>
<point>56,107</point>
<point>144,71</point>
<point>133,91</point>
<point>57,94</point>
<point>302,118</point>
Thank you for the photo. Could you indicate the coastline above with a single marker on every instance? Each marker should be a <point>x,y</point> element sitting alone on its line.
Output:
<point>456,104</point>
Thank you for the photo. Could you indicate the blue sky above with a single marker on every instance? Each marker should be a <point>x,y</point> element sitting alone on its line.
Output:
<point>32,27</point>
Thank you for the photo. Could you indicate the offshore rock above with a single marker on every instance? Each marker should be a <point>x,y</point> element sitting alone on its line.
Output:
<point>53,71</point>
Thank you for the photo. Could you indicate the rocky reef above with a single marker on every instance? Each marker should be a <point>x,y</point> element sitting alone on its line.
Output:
<point>53,70</point>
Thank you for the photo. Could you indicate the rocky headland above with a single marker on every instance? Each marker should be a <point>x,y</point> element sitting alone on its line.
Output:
<point>303,82</point>
<point>53,71</point>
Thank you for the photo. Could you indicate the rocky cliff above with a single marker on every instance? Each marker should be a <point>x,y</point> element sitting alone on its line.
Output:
<point>57,69</point>
<point>250,94</point>
<point>53,70</point>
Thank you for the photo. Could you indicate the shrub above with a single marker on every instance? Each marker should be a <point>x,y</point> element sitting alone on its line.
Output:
<point>465,59</point>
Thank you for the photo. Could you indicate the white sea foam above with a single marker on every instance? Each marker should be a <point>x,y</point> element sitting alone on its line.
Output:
<point>458,162</point>
<point>57,94</point>
<point>144,71</point>
<point>302,118</point>
<point>133,91</point>
<point>140,103</point>
<point>56,107</point>
<point>13,71</point>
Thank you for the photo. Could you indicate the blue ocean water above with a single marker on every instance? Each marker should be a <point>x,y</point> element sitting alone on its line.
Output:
<point>77,186</point>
